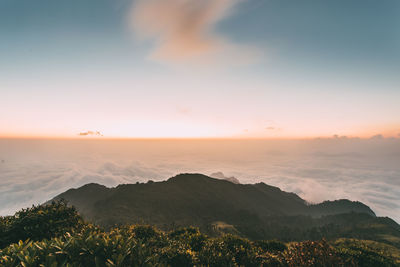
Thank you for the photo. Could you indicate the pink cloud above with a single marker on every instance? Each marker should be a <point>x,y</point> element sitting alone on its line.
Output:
<point>184,30</point>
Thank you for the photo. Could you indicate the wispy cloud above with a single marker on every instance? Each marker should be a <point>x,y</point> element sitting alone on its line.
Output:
<point>272,126</point>
<point>183,110</point>
<point>377,137</point>
<point>184,30</point>
<point>90,133</point>
<point>221,175</point>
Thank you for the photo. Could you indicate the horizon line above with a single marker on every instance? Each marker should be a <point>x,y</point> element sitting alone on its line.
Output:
<point>93,138</point>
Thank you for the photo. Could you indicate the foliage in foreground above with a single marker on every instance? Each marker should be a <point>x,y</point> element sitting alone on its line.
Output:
<point>39,222</point>
<point>88,245</point>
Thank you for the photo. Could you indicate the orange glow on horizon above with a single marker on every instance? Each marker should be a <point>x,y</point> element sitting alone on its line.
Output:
<point>389,133</point>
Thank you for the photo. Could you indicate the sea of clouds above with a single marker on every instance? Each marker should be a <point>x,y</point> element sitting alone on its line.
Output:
<point>34,171</point>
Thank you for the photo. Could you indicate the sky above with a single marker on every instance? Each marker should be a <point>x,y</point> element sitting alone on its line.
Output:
<point>190,68</point>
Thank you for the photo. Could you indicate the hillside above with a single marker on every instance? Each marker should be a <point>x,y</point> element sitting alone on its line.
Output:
<point>56,235</point>
<point>256,211</point>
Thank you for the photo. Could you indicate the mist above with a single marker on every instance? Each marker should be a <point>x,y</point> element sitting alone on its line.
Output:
<point>33,171</point>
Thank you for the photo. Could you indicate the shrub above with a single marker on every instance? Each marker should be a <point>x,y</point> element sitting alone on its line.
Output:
<point>39,222</point>
<point>191,236</point>
<point>231,250</point>
<point>89,245</point>
<point>270,245</point>
<point>177,254</point>
<point>145,232</point>
<point>358,253</point>
<point>312,253</point>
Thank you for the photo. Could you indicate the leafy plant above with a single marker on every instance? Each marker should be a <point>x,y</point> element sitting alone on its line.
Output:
<point>39,222</point>
<point>55,235</point>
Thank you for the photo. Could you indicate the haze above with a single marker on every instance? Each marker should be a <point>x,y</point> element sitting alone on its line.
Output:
<point>33,171</point>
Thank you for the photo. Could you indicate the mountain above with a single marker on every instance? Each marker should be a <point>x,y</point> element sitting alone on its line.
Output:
<point>256,211</point>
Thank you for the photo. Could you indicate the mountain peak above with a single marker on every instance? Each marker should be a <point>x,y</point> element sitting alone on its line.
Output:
<point>199,200</point>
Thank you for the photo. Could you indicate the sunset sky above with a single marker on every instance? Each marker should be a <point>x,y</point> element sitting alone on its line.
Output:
<point>199,68</point>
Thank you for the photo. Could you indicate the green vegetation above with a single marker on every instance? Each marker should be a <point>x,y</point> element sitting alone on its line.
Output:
<point>253,211</point>
<point>55,235</point>
<point>39,222</point>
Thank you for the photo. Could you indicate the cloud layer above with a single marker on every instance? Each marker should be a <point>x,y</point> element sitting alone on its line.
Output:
<point>33,171</point>
<point>184,30</point>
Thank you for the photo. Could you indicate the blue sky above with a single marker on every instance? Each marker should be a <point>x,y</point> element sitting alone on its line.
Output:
<point>290,64</point>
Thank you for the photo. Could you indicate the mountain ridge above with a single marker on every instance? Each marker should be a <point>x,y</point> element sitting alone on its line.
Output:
<point>189,179</point>
<point>254,210</point>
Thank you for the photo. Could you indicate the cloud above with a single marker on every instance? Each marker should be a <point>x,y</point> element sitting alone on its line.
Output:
<point>221,175</point>
<point>315,169</point>
<point>344,137</point>
<point>184,110</point>
<point>23,184</point>
<point>184,30</point>
<point>90,133</point>
<point>271,125</point>
<point>377,137</point>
